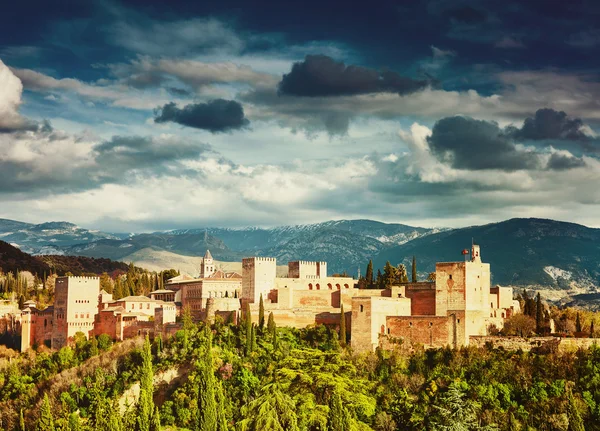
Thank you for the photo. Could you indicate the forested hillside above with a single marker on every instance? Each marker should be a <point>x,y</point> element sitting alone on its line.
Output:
<point>255,378</point>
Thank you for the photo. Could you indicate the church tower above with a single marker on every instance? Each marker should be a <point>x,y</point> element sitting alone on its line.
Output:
<point>207,268</point>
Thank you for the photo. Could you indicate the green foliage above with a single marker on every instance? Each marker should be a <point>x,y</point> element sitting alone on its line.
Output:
<point>145,407</point>
<point>273,410</point>
<point>342,326</point>
<point>261,314</point>
<point>338,418</point>
<point>46,420</point>
<point>369,274</point>
<point>207,405</point>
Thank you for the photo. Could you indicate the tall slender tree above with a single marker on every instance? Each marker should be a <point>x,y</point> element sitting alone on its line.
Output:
<point>414,270</point>
<point>539,314</point>
<point>578,323</point>
<point>272,329</point>
<point>145,408</point>
<point>369,275</point>
<point>592,329</point>
<point>46,420</point>
<point>261,314</point>
<point>342,326</point>
<point>248,328</point>
<point>207,407</point>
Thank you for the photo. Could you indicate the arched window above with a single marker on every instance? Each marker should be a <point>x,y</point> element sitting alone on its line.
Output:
<point>346,286</point>
<point>337,286</point>
<point>329,286</point>
<point>362,308</point>
<point>491,305</point>
<point>309,286</point>
<point>318,286</point>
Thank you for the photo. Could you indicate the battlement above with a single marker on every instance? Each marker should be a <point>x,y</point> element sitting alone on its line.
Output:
<point>79,277</point>
<point>259,259</point>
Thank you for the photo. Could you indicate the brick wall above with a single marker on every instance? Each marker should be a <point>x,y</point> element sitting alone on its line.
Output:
<point>431,331</point>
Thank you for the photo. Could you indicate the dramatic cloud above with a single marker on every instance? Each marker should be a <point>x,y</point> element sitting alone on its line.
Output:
<point>10,100</point>
<point>319,75</point>
<point>145,72</point>
<point>467,143</point>
<point>561,162</point>
<point>216,116</point>
<point>550,124</point>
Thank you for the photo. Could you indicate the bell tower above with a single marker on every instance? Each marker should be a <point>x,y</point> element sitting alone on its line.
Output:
<point>475,253</point>
<point>207,268</point>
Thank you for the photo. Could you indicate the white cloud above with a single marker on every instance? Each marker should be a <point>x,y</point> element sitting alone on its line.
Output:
<point>10,99</point>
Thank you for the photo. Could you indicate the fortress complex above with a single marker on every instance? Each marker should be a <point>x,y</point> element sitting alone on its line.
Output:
<point>460,304</point>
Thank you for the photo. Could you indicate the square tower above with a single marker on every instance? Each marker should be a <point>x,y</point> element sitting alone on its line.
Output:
<point>76,301</point>
<point>463,292</point>
<point>258,277</point>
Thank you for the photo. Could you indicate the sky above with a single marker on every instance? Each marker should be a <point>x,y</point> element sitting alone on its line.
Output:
<point>149,115</point>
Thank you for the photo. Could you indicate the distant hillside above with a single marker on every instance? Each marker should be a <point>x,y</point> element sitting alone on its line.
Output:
<point>345,244</point>
<point>186,244</point>
<point>157,260</point>
<point>12,260</point>
<point>521,251</point>
<point>81,265</point>
<point>48,238</point>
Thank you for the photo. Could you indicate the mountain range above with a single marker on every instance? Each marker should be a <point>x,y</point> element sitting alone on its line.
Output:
<point>522,252</point>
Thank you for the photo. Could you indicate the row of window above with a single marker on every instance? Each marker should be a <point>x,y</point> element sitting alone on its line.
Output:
<point>329,286</point>
<point>141,306</point>
<point>77,316</point>
<point>82,301</point>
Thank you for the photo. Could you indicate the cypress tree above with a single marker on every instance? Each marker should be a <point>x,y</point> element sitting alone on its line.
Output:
<point>155,423</point>
<point>46,420</point>
<point>539,314</point>
<point>578,323</point>
<point>248,325</point>
<point>379,280</point>
<point>254,330</point>
<point>592,329</point>
<point>342,326</point>
<point>369,274</point>
<point>272,329</point>
<point>414,270</point>
<point>575,420</point>
<point>207,408</point>
<point>220,400</point>
<point>261,314</point>
<point>146,403</point>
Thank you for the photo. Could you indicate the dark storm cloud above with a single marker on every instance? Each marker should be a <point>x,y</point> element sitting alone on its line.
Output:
<point>550,124</point>
<point>180,92</point>
<point>27,125</point>
<point>559,162</point>
<point>132,152</point>
<point>320,75</point>
<point>216,116</point>
<point>472,144</point>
